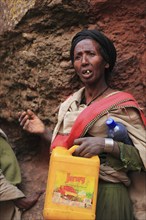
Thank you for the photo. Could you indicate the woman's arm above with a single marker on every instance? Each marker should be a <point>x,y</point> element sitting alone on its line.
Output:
<point>127,154</point>
<point>130,157</point>
<point>32,124</point>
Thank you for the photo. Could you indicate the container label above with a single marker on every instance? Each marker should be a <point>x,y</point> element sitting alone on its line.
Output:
<point>73,189</point>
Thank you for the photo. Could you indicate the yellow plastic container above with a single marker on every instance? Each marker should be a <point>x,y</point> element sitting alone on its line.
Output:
<point>72,186</point>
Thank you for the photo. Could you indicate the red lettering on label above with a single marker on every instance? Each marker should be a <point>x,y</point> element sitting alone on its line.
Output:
<point>79,179</point>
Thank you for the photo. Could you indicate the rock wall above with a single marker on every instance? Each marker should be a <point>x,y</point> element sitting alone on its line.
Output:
<point>11,12</point>
<point>36,72</point>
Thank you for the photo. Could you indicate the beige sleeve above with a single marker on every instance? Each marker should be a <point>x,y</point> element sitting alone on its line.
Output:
<point>7,190</point>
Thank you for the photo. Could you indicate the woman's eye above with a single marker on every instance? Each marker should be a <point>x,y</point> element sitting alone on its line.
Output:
<point>77,57</point>
<point>92,54</point>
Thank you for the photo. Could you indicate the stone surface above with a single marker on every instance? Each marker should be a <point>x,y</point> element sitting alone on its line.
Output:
<point>36,72</point>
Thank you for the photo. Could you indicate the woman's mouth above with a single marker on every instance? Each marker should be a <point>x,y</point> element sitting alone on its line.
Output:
<point>87,73</point>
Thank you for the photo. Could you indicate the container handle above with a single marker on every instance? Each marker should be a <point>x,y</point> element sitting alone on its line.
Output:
<point>72,149</point>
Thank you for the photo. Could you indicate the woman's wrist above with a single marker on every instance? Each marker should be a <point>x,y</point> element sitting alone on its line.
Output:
<point>46,135</point>
<point>108,145</point>
<point>111,147</point>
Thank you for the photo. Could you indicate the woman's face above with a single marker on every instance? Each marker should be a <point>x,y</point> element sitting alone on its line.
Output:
<point>88,62</point>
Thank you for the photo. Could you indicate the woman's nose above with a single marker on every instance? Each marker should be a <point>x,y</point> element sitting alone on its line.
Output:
<point>84,59</point>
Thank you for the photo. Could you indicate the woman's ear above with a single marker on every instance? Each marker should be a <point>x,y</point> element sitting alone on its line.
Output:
<point>107,65</point>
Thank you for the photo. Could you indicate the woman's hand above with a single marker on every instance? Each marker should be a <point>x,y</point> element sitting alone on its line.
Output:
<point>89,146</point>
<point>31,123</point>
<point>28,202</point>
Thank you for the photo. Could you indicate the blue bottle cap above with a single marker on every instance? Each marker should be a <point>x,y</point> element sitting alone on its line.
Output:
<point>111,123</point>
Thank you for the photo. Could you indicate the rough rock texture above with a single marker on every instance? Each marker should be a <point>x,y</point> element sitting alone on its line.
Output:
<point>36,73</point>
<point>12,11</point>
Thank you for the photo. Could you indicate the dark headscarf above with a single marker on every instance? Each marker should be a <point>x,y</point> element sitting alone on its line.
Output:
<point>108,50</point>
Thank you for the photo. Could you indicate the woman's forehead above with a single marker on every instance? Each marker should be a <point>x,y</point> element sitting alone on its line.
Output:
<point>86,44</point>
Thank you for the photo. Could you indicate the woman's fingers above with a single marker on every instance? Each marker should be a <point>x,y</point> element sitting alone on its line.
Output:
<point>24,120</point>
<point>81,150</point>
<point>30,113</point>
<point>26,124</point>
<point>21,115</point>
<point>79,141</point>
<point>88,155</point>
<point>27,113</point>
<point>31,123</point>
<point>89,146</point>
<point>85,152</point>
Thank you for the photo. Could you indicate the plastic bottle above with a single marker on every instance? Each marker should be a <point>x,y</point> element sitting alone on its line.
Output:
<point>118,132</point>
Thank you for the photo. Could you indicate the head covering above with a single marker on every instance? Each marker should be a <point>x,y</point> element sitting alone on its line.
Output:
<point>108,50</point>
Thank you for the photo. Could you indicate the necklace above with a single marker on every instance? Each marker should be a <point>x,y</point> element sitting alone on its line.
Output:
<point>100,94</point>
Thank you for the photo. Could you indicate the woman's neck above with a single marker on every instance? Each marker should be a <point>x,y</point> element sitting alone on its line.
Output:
<point>92,94</point>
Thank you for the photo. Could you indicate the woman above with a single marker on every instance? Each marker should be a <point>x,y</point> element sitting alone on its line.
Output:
<point>81,121</point>
<point>12,199</point>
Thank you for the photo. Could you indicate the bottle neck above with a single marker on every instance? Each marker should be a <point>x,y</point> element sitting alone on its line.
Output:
<point>111,123</point>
